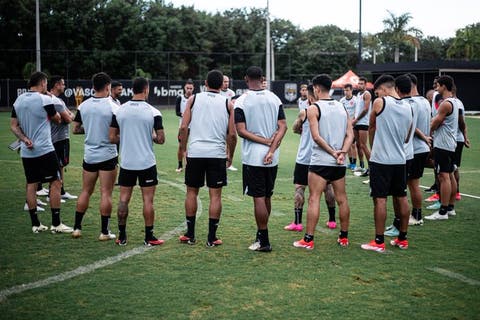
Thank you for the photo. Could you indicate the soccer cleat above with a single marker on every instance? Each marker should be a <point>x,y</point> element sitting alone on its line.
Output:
<point>352,166</point>
<point>458,196</point>
<point>366,181</point>
<point>451,213</point>
<point>373,246</point>
<point>331,225</point>
<point>153,242</point>
<point>432,189</point>
<point>254,246</point>
<point>434,206</point>
<point>294,227</point>
<point>43,192</point>
<point>437,216</point>
<point>61,200</point>
<point>232,168</point>
<point>343,242</point>
<point>414,222</point>
<point>68,196</point>
<point>402,244</point>
<point>391,232</point>
<point>41,203</point>
<point>359,169</point>
<point>77,233</point>
<point>178,170</point>
<point>365,173</point>
<point>434,197</point>
<point>61,228</point>
<point>187,239</point>
<point>121,242</point>
<point>106,237</point>
<point>216,242</point>
<point>39,209</point>
<point>304,244</point>
<point>40,228</point>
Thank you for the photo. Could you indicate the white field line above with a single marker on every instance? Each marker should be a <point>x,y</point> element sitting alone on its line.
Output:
<point>456,276</point>
<point>97,264</point>
<point>462,194</point>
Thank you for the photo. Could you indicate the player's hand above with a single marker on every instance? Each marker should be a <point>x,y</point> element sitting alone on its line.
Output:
<point>268,158</point>
<point>341,158</point>
<point>467,143</point>
<point>429,142</point>
<point>28,143</point>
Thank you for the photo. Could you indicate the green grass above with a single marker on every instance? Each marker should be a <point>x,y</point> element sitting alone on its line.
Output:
<point>176,281</point>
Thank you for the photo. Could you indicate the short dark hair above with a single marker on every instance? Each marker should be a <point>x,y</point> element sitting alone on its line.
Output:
<point>348,85</point>
<point>53,81</point>
<point>323,80</point>
<point>384,79</point>
<point>413,78</point>
<point>139,84</point>
<point>215,79</point>
<point>446,81</point>
<point>254,73</point>
<point>310,89</point>
<point>362,79</point>
<point>189,81</point>
<point>403,84</point>
<point>100,81</point>
<point>36,78</point>
<point>116,84</point>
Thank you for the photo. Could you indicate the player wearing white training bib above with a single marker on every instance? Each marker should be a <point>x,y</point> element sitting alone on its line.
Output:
<point>349,102</point>
<point>180,105</point>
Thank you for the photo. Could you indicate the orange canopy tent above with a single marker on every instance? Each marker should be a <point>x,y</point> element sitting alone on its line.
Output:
<point>349,77</point>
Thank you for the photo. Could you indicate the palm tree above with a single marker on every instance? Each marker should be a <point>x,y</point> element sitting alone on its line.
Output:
<point>397,32</point>
<point>466,44</point>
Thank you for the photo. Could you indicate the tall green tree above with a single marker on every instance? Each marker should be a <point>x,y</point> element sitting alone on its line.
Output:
<point>466,44</point>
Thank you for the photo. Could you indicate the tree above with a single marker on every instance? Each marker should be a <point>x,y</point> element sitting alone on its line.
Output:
<point>466,44</point>
<point>397,32</point>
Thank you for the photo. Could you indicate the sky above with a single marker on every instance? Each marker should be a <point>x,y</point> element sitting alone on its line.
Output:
<point>439,18</point>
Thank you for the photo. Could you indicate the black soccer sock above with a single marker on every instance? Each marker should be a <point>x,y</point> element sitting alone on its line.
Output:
<point>212,229</point>
<point>417,213</point>
<point>122,231</point>
<point>362,164</point>
<point>350,159</point>
<point>39,186</point>
<point>34,217</point>
<point>354,161</point>
<point>308,237</point>
<point>402,236</point>
<point>396,223</point>
<point>62,190</point>
<point>443,210</point>
<point>148,233</point>
<point>379,239</point>
<point>78,220</point>
<point>450,207</point>
<point>298,215</point>
<point>105,220</point>
<point>180,164</point>
<point>190,227</point>
<point>343,234</point>
<point>262,236</point>
<point>331,213</point>
<point>55,216</point>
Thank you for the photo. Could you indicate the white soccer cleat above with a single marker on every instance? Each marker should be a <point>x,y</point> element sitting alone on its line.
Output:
<point>77,233</point>
<point>61,228</point>
<point>232,168</point>
<point>43,192</point>
<point>68,196</point>
<point>39,209</point>
<point>41,203</point>
<point>437,216</point>
<point>61,200</point>
<point>106,237</point>
<point>40,228</point>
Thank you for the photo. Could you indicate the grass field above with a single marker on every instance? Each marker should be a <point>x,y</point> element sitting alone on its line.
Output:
<point>45,276</point>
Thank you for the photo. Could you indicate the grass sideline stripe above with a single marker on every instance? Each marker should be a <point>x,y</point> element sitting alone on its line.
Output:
<point>4,294</point>
<point>456,276</point>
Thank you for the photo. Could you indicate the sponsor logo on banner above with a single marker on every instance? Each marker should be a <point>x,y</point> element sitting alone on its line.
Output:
<point>290,91</point>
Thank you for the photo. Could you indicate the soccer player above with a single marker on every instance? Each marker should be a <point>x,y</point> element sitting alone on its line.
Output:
<point>209,115</point>
<point>360,122</point>
<point>180,104</point>
<point>229,94</point>
<point>100,159</point>
<point>462,140</point>
<point>303,100</point>
<point>116,91</point>
<point>444,126</point>
<point>260,121</point>
<point>349,102</point>
<point>135,125</point>
<point>30,123</point>
<point>389,130</point>
<point>61,131</point>
<point>332,135</point>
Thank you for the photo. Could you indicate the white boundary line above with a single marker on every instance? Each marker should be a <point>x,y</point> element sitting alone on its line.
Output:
<point>97,264</point>
<point>456,276</point>
<point>462,194</point>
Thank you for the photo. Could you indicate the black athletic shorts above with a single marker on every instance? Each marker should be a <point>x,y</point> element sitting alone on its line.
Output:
<point>41,169</point>
<point>361,127</point>
<point>458,153</point>
<point>329,173</point>
<point>387,180</point>
<point>444,160</point>
<point>62,149</point>
<point>213,169</point>
<point>416,165</point>
<point>259,181</point>
<point>300,174</point>
<point>108,165</point>
<point>146,177</point>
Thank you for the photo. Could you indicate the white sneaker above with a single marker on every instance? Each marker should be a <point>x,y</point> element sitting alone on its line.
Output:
<point>41,203</point>
<point>61,200</point>
<point>68,196</point>
<point>43,192</point>
<point>40,228</point>
<point>414,222</point>
<point>77,233</point>
<point>437,216</point>
<point>366,181</point>
<point>232,168</point>
<point>61,228</point>
<point>451,213</point>
<point>178,170</point>
<point>39,209</point>
<point>254,246</point>
<point>106,237</point>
